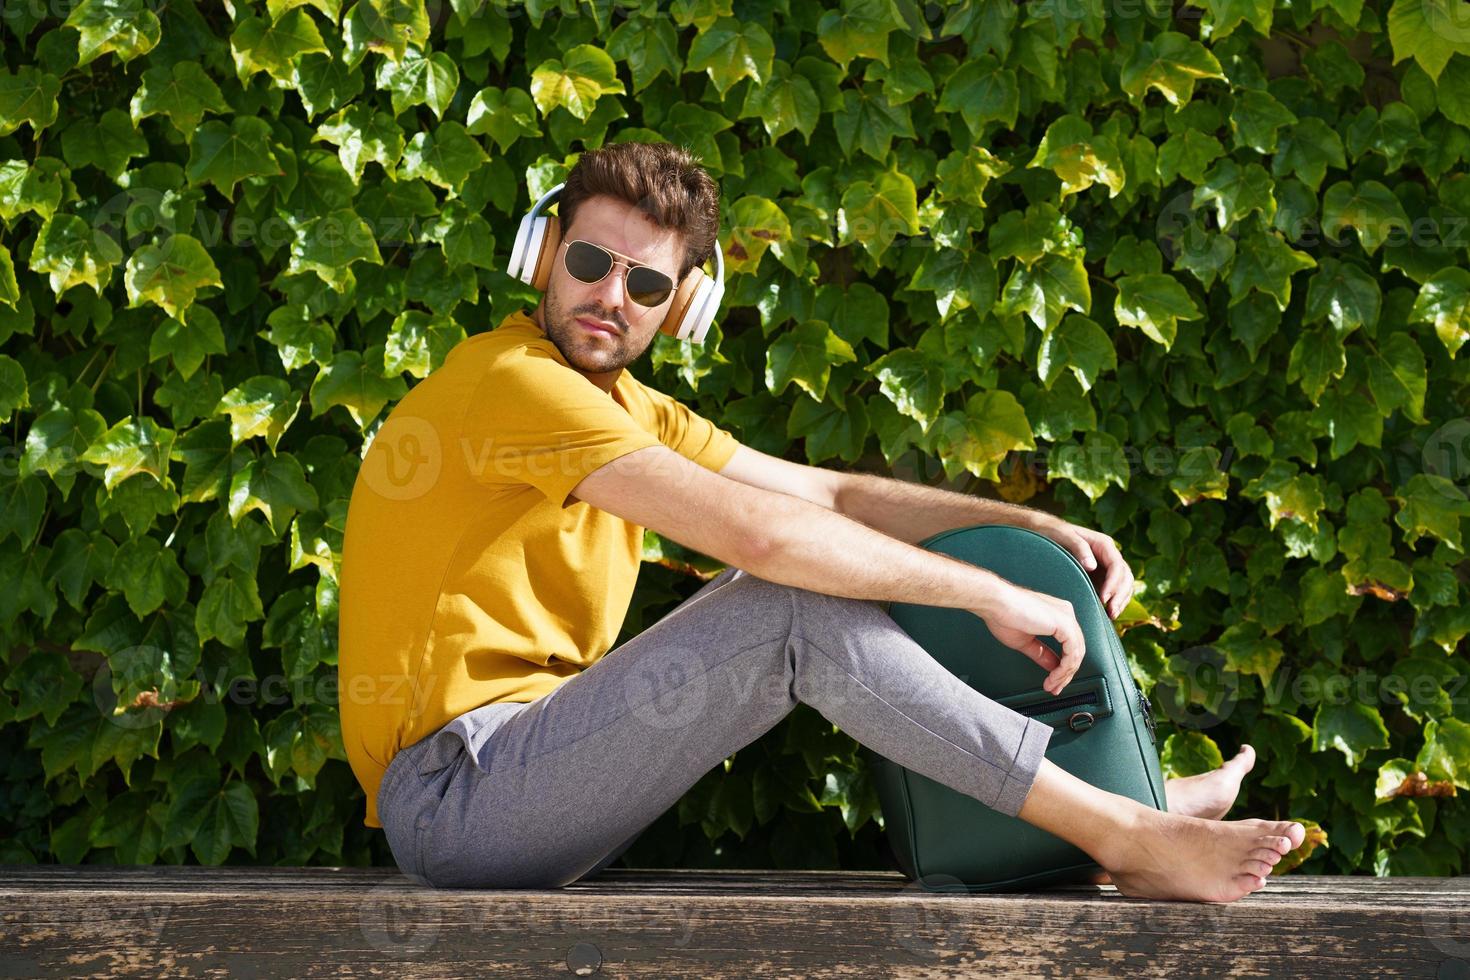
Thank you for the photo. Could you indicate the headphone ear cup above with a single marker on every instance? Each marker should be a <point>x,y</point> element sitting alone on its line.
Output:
<point>550,242</point>
<point>517,263</point>
<point>684,300</point>
<point>707,316</point>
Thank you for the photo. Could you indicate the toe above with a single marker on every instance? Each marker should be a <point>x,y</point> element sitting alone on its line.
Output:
<point>1256,866</point>
<point>1268,854</point>
<point>1278,844</point>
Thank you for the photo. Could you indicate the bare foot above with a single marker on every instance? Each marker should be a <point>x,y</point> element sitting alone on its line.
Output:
<point>1173,856</point>
<point>1208,795</point>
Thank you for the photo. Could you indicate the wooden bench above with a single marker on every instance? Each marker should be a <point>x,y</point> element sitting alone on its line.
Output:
<point>297,922</point>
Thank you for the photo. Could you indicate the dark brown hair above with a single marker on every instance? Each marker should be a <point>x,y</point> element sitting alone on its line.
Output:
<point>664,181</point>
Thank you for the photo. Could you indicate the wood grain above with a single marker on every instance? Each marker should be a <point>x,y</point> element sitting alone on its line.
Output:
<point>249,921</point>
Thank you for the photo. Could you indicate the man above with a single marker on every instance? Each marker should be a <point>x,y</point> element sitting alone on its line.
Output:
<point>500,742</point>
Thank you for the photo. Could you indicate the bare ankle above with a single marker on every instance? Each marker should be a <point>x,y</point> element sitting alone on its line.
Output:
<point>1105,825</point>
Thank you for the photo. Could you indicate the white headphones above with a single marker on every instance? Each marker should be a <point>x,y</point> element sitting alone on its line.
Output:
<point>695,299</point>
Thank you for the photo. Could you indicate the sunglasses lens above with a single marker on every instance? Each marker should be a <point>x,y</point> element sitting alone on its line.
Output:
<point>648,287</point>
<point>587,262</point>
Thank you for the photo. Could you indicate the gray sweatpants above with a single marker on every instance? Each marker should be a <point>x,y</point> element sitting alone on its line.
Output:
<point>542,794</point>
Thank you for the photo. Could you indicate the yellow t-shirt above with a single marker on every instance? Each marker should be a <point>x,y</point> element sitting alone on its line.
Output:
<point>466,577</point>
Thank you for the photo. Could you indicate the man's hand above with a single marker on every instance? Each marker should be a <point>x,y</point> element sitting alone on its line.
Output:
<point>1019,617</point>
<point>1099,555</point>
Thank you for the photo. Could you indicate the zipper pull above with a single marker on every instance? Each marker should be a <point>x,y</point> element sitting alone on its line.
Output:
<point>1148,714</point>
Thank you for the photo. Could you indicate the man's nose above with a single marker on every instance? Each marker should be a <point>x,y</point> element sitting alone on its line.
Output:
<point>609,289</point>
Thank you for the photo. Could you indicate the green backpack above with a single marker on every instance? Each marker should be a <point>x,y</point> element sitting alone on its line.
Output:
<point>1104,729</point>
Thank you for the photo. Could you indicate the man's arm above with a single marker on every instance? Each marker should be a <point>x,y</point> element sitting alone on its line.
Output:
<point>780,535</point>
<point>914,511</point>
<point>909,512</point>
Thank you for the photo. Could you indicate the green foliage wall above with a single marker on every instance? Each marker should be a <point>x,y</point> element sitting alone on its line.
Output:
<point>1192,275</point>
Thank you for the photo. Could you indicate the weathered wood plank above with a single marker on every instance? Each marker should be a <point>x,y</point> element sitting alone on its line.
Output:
<point>193,921</point>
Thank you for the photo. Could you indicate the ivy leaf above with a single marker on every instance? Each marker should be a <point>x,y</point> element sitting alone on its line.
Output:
<point>1154,303</point>
<point>756,223</point>
<point>587,75</point>
<point>959,279</point>
<point>729,51</point>
<point>964,176</point>
<point>1370,208</point>
<point>1306,149</point>
<point>27,95</point>
<point>981,91</point>
<point>1432,31</point>
<point>170,274</point>
<point>912,382</point>
<point>868,122</point>
<point>385,26</point>
<point>1079,157</point>
<point>1255,117</point>
<point>298,338</point>
<point>181,91</point>
<point>1445,302</point>
<point>649,47</point>
<point>107,144</point>
<point>206,452</point>
<point>417,79</point>
<point>30,187</point>
<point>1046,290</point>
<point>1397,377</point>
<point>78,560</point>
<point>1349,419</point>
<point>444,157</point>
<point>859,311</point>
<point>786,102</point>
<point>1446,752</point>
<point>132,446</point>
<point>9,288</point>
<point>1189,754</point>
<point>56,440</point>
<point>229,602</point>
<point>328,245</point>
<point>418,342</point>
<point>829,430</point>
<point>1236,191</point>
<point>13,393</point>
<point>69,253</point>
<point>1344,295</point>
<point>1077,344</point>
<point>805,354</point>
<point>859,29</point>
<point>148,575</point>
<point>1227,15</point>
<point>188,341</point>
<point>224,155</point>
<point>878,211</point>
<point>1316,358</point>
<point>1353,728</point>
<point>506,115</point>
<point>1093,465</point>
<point>1040,230</point>
<point>260,406</point>
<point>1431,504</point>
<point>355,381</point>
<point>1264,262</point>
<point>1172,63</point>
<point>980,438</point>
<point>127,27</point>
<point>274,485</point>
<point>273,46</point>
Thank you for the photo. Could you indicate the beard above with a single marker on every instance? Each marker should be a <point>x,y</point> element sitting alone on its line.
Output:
<point>582,350</point>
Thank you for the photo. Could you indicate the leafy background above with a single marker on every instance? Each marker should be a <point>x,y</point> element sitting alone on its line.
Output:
<point>1192,275</point>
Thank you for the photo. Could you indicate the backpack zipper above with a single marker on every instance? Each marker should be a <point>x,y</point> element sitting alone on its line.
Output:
<point>1057,704</point>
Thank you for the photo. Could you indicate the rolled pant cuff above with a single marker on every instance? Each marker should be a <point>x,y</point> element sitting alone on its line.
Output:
<point>1034,739</point>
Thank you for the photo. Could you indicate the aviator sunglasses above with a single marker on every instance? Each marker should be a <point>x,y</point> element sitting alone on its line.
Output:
<point>590,263</point>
